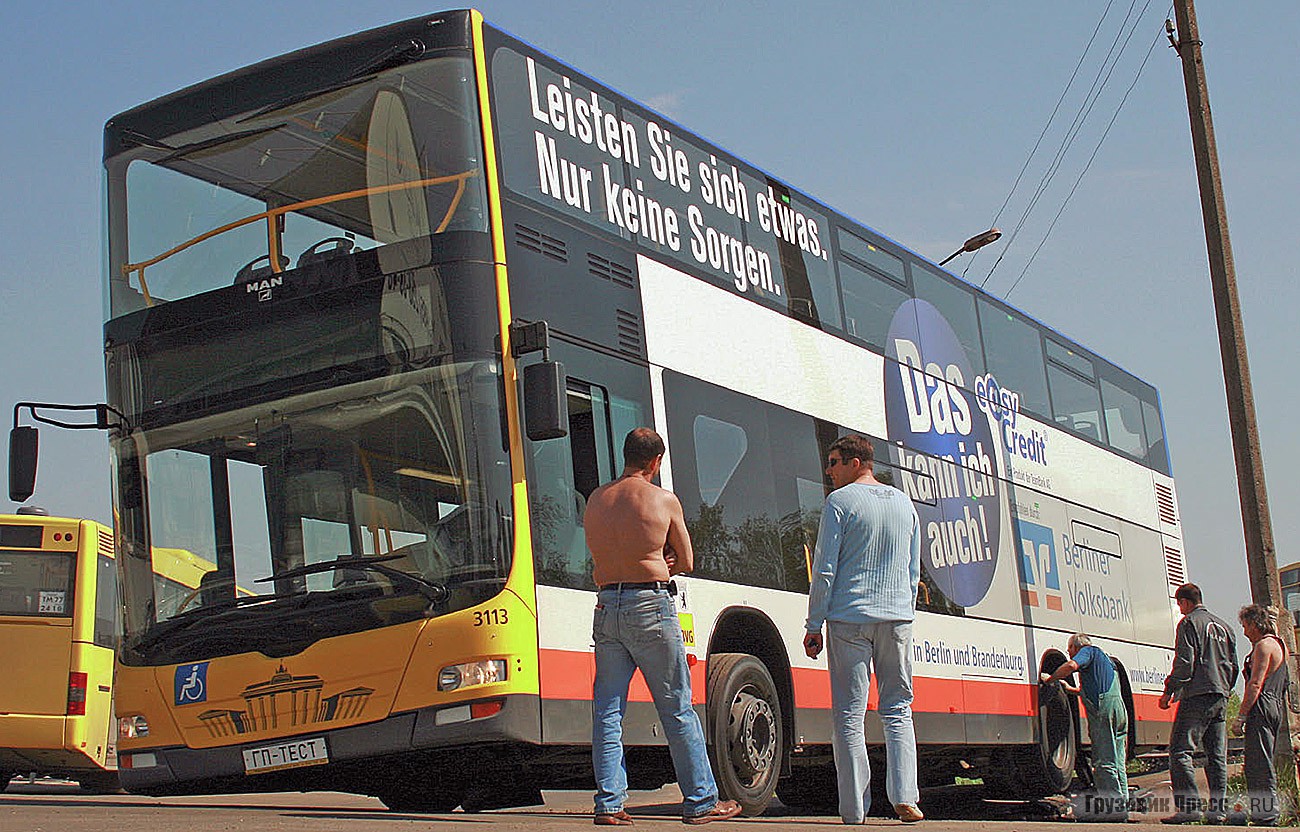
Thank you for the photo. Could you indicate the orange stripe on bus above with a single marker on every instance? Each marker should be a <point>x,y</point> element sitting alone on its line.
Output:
<point>567,674</point>
<point>1146,708</point>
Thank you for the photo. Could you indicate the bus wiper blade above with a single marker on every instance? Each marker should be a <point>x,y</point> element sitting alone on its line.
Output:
<point>434,591</point>
<point>215,141</point>
<point>185,620</point>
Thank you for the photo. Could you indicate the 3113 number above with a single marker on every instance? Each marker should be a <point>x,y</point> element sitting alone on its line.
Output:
<point>499,616</point>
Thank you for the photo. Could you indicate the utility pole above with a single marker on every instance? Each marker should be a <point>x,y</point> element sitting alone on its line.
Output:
<point>1261,558</point>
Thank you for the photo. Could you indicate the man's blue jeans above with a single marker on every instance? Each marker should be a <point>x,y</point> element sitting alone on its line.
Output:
<point>638,628</point>
<point>1199,721</point>
<point>851,650</point>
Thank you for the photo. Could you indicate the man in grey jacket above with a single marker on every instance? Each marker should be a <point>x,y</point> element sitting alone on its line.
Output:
<point>1204,671</point>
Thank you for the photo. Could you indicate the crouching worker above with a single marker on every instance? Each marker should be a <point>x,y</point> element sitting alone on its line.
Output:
<point>1107,727</point>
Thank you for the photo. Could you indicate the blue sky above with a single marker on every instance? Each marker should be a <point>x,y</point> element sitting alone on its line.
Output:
<point>914,118</point>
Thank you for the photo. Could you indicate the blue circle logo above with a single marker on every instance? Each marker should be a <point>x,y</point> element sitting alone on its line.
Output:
<point>948,459</point>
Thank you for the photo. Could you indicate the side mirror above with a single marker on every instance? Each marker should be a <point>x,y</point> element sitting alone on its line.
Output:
<point>22,463</point>
<point>546,401</point>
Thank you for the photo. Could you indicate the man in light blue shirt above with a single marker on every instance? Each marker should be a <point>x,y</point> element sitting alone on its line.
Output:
<point>864,576</point>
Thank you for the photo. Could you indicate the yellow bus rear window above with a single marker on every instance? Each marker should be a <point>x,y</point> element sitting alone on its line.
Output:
<point>36,583</point>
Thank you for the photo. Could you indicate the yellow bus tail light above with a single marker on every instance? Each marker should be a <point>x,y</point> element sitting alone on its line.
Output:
<point>77,683</point>
<point>469,674</point>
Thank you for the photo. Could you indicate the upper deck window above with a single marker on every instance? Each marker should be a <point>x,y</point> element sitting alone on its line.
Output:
<point>872,284</point>
<point>1076,405</point>
<point>851,245</point>
<point>1013,349</point>
<point>957,305</point>
<point>241,200</point>
<point>1124,429</point>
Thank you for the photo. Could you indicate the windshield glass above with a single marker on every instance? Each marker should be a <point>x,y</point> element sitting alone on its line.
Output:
<point>245,199</point>
<point>273,526</point>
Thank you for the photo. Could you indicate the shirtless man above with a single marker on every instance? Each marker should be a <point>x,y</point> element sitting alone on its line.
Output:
<point>637,535</point>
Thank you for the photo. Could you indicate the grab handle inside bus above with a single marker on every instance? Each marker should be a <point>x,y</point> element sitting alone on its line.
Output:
<point>22,462</point>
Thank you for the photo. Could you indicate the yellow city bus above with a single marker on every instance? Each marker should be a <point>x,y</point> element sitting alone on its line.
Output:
<point>330,276</point>
<point>58,625</point>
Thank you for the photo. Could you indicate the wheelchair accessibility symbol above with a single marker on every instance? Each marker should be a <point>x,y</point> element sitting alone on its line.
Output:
<point>191,684</point>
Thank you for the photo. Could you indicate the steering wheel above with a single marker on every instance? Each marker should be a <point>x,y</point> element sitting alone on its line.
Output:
<point>194,593</point>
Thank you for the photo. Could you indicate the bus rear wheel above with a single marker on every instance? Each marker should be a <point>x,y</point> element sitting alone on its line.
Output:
<point>745,728</point>
<point>1047,767</point>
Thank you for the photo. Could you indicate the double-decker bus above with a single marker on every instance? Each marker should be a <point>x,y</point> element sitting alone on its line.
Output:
<point>58,624</point>
<point>330,276</point>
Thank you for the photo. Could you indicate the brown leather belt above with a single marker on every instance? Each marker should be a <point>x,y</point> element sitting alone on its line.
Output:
<point>637,585</point>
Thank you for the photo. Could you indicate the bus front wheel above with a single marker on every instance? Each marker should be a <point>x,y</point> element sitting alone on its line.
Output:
<point>745,729</point>
<point>422,798</point>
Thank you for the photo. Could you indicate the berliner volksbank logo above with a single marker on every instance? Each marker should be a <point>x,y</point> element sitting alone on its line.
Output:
<point>948,459</point>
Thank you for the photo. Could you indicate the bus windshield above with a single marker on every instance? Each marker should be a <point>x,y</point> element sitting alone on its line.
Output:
<point>343,510</point>
<point>392,158</point>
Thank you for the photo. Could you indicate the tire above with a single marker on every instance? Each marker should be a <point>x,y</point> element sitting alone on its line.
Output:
<point>811,789</point>
<point>1028,772</point>
<point>745,728</point>
<point>100,782</point>
<point>1048,767</point>
<point>435,800</point>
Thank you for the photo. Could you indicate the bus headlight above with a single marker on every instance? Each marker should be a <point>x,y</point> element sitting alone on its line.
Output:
<point>485,672</point>
<point>132,727</point>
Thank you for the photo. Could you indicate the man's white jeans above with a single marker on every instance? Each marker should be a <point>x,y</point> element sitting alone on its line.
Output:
<point>852,649</point>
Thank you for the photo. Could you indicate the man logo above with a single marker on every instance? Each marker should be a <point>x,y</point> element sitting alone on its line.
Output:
<point>263,287</point>
<point>1038,569</point>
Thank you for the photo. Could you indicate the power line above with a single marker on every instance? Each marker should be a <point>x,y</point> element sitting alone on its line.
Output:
<point>971,260</point>
<point>1072,132</point>
<point>1095,150</point>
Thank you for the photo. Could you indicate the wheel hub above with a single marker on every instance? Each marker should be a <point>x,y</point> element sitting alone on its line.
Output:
<point>752,734</point>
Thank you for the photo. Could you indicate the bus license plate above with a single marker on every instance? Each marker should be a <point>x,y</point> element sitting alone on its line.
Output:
<point>308,752</point>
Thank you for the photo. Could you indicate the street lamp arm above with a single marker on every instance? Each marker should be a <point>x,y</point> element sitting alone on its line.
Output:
<point>976,242</point>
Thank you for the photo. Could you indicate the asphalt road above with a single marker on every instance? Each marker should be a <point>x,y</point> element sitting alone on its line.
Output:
<point>58,807</point>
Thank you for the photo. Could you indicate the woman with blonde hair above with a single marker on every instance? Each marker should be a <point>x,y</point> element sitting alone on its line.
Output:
<point>1263,709</point>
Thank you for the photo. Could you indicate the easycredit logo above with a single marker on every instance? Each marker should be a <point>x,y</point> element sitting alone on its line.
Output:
<point>1003,406</point>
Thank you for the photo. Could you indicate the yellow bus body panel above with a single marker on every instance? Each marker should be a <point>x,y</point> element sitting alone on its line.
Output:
<point>334,683</point>
<point>93,735</point>
<point>35,654</point>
